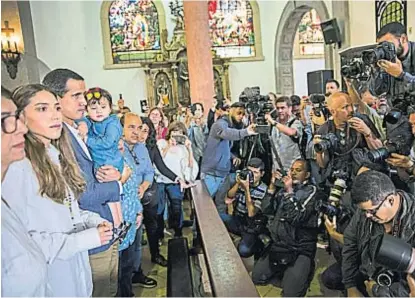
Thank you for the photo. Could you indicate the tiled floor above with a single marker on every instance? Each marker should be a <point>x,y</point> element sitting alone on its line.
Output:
<point>160,274</point>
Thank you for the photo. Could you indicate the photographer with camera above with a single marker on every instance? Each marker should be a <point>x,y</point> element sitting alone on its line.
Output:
<point>293,229</point>
<point>247,194</point>
<point>382,210</point>
<point>399,71</point>
<point>286,133</point>
<point>343,140</point>
<point>217,157</point>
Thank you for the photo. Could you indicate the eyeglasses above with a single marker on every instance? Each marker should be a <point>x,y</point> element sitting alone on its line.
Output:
<point>93,93</point>
<point>375,210</point>
<point>9,122</point>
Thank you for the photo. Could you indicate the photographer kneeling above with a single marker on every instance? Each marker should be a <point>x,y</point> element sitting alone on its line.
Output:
<point>382,209</point>
<point>293,229</point>
<point>247,193</point>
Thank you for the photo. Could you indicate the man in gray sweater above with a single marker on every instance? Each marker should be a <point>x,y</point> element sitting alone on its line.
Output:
<point>217,157</point>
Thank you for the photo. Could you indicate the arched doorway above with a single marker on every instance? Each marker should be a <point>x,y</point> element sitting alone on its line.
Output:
<point>284,42</point>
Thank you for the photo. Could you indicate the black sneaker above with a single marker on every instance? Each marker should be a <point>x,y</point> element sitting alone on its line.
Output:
<point>160,260</point>
<point>144,281</point>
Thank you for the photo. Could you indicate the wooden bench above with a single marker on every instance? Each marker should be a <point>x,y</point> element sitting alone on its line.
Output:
<point>227,273</point>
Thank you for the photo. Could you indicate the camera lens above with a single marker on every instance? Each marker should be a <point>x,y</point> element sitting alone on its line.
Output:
<point>378,155</point>
<point>395,254</point>
<point>384,280</point>
<point>393,116</point>
<point>322,146</point>
<point>337,190</point>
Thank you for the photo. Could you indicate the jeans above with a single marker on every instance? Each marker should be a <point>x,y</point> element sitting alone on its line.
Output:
<point>222,192</point>
<point>294,279</point>
<point>250,244</point>
<point>150,222</point>
<point>175,196</point>
<point>212,183</point>
<point>130,261</point>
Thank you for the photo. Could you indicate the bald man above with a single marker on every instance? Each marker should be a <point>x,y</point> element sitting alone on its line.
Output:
<point>351,133</point>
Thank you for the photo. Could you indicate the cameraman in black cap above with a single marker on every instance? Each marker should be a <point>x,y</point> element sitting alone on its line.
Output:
<point>293,229</point>
<point>402,71</point>
<point>382,209</point>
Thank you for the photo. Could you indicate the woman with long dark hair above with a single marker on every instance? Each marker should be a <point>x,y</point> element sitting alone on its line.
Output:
<point>43,189</point>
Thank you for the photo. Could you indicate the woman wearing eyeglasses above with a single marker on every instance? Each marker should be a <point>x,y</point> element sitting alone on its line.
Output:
<point>43,189</point>
<point>18,250</point>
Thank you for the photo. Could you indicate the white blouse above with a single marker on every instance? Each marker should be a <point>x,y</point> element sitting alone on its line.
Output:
<point>23,265</point>
<point>64,236</point>
<point>177,160</point>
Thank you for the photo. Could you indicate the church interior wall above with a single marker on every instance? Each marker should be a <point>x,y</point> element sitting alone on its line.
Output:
<point>68,34</point>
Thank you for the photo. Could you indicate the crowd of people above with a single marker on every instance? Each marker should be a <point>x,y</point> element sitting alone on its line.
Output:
<point>80,181</point>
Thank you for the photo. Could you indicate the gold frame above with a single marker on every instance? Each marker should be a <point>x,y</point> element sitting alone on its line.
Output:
<point>108,60</point>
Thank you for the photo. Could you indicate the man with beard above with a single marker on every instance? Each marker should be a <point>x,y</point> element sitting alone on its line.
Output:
<point>217,157</point>
<point>401,72</point>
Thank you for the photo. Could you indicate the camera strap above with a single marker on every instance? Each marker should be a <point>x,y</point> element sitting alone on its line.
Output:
<point>277,157</point>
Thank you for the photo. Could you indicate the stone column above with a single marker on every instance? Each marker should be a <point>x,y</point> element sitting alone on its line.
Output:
<point>198,52</point>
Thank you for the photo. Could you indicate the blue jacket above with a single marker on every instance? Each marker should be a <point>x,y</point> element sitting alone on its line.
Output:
<point>102,142</point>
<point>96,195</point>
<point>217,156</point>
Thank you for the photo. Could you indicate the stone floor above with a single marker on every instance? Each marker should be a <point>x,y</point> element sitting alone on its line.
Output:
<point>323,260</point>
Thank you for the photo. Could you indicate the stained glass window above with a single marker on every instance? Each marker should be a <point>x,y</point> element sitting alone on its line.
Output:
<point>231,27</point>
<point>134,31</point>
<point>389,11</point>
<point>311,39</point>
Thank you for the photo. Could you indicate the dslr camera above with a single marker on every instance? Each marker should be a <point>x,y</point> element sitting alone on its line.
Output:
<point>328,142</point>
<point>318,102</point>
<point>356,69</point>
<point>246,174</point>
<point>383,51</point>
<point>399,137</point>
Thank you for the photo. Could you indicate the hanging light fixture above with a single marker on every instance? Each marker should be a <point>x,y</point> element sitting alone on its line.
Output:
<point>10,54</point>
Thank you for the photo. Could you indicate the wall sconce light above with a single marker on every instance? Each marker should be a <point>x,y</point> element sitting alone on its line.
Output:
<point>10,54</point>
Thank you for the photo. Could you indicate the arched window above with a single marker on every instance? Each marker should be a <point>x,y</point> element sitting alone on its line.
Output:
<point>389,11</point>
<point>309,36</point>
<point>234,29</point>
<point>131,31</point>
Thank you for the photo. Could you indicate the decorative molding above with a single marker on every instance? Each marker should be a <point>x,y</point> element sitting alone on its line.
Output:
<point>284,42</point>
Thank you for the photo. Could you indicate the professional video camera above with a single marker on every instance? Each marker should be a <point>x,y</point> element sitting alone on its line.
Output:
<point>318,101</point>
<point>257,104</point>
<point>384,51</point>
<point>356,69</point>
<point>399,137</point>
<point>328,142</point>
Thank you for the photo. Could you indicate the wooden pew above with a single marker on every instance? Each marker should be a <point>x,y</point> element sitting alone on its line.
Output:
<point>227,273</point>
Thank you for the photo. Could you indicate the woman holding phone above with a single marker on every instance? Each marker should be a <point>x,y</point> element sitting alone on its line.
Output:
<point>177,154</point>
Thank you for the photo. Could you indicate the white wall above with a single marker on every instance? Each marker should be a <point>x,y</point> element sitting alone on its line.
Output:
<point>68,34</point>
<point>301,67</point>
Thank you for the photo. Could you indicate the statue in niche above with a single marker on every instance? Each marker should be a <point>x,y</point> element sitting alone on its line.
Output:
<point>184,85</point>
<point>218,85</point>
<point>163,90</point>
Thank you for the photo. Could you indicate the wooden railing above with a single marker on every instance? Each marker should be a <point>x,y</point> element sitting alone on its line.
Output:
<point>227,273</point>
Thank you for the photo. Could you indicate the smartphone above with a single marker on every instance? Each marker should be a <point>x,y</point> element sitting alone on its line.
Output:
<point>179,139</point>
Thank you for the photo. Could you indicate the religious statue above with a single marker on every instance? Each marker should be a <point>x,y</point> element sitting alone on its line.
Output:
<point>163,92</point>
<point>184,81</point>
